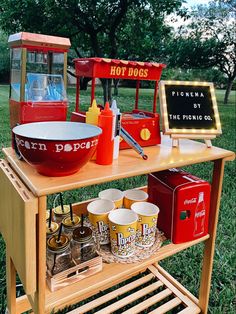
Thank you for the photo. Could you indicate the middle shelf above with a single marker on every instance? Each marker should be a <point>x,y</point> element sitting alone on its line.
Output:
<point>111,273</point>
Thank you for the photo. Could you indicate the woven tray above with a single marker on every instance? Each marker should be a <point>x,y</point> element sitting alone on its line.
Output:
<point>139,254</point>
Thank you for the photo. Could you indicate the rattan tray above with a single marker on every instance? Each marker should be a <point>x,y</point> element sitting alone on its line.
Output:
<point>139,255</point>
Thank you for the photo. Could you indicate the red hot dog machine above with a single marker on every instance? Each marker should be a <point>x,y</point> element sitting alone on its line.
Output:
<point>142,125</point>
<point>184,202</point>
<point>38,78</point>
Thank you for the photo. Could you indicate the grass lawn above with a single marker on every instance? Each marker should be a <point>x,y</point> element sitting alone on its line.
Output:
<point>185,265</point>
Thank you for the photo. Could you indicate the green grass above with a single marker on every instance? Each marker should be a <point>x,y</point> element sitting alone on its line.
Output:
<point>185,265</point>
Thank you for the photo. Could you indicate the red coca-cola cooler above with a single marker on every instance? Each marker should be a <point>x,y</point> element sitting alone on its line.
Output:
<point>184,202</point>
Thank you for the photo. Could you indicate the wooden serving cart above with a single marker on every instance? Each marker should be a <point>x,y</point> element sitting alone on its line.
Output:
<point>22,224</point>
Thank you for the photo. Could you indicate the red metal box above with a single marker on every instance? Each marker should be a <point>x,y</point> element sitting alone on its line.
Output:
<point>184,202</point>
<point>143,126</point>
<point>25,112</point>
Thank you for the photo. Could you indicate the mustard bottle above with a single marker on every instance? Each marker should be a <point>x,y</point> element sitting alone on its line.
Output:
<point>92,114</point>
<point>92,118</point>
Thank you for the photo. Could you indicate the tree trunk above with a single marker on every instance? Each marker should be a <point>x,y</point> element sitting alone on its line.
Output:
<point>106,85</point>
<point>109,96</point>
<point>84,82</point>
<point>228,89</point>
<point>116,83</point>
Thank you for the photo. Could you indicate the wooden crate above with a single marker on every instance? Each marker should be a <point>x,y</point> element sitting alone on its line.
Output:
<point>74,274</point>
<point>159,294</point>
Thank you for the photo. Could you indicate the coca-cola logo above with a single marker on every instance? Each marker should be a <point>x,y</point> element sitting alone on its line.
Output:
<point>200,214</point>
<point>191,201</point>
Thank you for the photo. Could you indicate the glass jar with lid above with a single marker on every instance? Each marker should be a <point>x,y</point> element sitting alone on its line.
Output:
<point>83,245</point>
<point>70,225</point>
<point>59,256</point>
<point>47,215</point>
<point>53,228</point>
<point>61,212</point>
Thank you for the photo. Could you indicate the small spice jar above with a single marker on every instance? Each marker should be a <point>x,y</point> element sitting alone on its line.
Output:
<point>60,214</point>
<point>70,225</point>
<point>52,230</point>
<point>83,245</point>
<point>59,256</point>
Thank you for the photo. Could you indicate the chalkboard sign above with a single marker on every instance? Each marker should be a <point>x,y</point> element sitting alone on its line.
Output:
<point>189,108</point>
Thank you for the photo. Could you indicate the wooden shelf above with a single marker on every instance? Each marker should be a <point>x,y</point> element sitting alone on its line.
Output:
<point>128,164</point>
<point>159,292</point>
<point>110,275</point>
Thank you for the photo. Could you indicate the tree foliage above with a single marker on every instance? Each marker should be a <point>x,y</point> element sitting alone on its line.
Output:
<point>209,40</point>
<point>100,28</point>
<point>4,59</point>
<point>130,29</point>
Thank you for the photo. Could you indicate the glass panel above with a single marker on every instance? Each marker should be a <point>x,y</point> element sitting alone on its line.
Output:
<point>31,56</point>
<point>44,87</point>
<point>15,73</point>
<point>37,62</point>
<point>57,63</point>
<point>41,62</point>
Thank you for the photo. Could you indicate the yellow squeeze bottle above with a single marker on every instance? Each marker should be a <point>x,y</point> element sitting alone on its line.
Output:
<point>92,118</point>
<point>92,114</point>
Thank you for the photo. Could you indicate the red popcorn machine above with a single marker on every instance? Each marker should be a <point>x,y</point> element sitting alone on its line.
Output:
<point>38,78</point>
<point>184,202</point>
<point>142,125</point>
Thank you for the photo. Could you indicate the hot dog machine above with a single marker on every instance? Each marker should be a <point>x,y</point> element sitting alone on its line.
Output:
<point>142,125</point>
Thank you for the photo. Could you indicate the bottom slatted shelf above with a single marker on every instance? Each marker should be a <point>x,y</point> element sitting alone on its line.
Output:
<point>151,292</point>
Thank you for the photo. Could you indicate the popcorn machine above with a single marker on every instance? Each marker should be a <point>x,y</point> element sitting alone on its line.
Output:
<point>142,125</point>
<point>38,78</point>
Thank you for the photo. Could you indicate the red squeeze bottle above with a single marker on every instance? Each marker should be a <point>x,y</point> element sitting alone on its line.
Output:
<point>106,139</point>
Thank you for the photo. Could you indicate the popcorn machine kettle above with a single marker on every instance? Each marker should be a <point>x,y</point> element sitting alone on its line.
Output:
<point>38,78</point>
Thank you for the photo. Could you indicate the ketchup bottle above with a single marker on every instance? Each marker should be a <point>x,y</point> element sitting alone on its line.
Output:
<point>106,140</point>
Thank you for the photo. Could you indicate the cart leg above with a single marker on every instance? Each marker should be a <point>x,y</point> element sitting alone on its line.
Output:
<point>39,306</point>
<point>209,247</point>
<point>11,285</point>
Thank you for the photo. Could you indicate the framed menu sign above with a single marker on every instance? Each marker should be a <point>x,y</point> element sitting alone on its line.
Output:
<point>189,110</point>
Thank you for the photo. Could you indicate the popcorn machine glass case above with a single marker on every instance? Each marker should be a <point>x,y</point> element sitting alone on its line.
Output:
<point>38,78</point>
<point>142,125</point>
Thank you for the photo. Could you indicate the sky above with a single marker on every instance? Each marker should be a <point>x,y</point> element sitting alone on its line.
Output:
<point>191,3</point>
<point>188,4</point>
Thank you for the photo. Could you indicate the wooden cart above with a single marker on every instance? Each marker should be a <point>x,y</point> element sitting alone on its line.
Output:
<point>22,224</point>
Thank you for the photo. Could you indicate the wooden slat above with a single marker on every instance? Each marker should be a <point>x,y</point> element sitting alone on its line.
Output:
<point>149,302</point>
<point>190,310</point>
<point>167,306</point>
<point>131,298</point>
<point>22,304</point>
<point>180,287</point>
<point>90,263</point>
<point>180,295</point>
<point>113,294</point>
<point>130,164</point>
